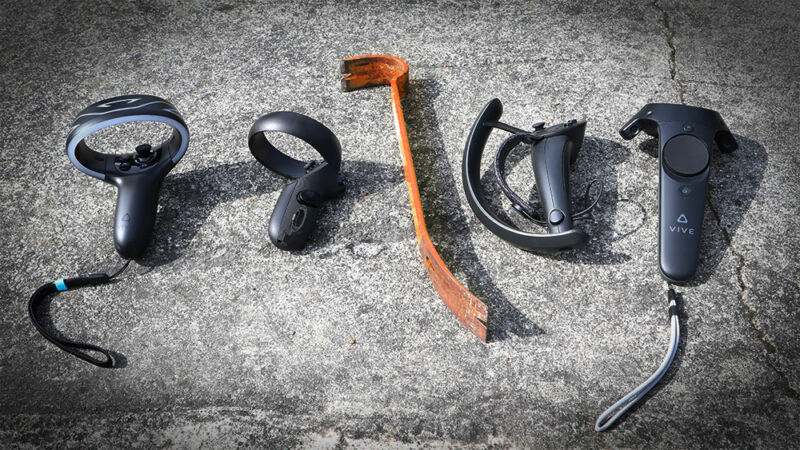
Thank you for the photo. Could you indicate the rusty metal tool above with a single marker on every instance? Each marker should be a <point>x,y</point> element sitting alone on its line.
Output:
<point>379,70</point>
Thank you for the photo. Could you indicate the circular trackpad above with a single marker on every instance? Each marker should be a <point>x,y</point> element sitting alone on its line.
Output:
<point>686,155</point>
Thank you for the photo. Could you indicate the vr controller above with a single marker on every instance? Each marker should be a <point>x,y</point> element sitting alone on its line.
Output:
<point>686,135</point>
<point>555,149</point>
<point>299,205</point>
<point>137,175</point>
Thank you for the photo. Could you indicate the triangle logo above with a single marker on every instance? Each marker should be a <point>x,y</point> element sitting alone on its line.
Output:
<point>682,218</point>
<point>127,217</point>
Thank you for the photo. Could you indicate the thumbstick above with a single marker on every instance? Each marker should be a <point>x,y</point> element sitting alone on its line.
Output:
<point>143,150</point>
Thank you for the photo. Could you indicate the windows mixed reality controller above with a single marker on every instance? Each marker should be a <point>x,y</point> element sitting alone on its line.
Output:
<point>298,207</point>
<point>686,135</point>
<point>137,175</point>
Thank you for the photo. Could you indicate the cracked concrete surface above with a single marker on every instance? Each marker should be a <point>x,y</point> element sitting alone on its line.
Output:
<point>229,341</point>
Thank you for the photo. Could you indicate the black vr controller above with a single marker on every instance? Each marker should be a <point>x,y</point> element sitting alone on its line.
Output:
<point>686,135</point>
<point>555,148</point>
<point>136,175</point>
<point>299,204</point>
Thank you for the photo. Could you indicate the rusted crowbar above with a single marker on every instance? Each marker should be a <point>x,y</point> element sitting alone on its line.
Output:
<point>378,70</point>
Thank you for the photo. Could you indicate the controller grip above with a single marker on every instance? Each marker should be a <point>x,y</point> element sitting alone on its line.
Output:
<point>680,224</point>
<point>294,216</point>
<point>135,216</point>
<point>550,159</point>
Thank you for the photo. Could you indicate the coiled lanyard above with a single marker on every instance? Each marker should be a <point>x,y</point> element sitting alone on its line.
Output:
<point>62,284</point>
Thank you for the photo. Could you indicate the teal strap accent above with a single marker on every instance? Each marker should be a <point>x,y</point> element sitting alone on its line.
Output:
<point>60,285</point>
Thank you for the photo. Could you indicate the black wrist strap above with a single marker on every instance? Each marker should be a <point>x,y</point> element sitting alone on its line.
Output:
<point>520,205</point>
<point>75,348</point>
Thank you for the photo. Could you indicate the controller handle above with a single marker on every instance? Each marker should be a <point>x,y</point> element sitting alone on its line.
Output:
<point>135,215</point>
<point>686,136</point>
<point>299,205</point>
<point>551,159</point>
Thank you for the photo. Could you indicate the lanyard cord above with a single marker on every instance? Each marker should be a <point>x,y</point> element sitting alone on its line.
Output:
<point>63,284</point>
<point>603,422</point>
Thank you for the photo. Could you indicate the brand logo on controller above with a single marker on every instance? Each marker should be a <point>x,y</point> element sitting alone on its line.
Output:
<point>679,229</point>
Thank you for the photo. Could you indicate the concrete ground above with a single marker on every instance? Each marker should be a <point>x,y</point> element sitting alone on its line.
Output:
<point>229,341</point>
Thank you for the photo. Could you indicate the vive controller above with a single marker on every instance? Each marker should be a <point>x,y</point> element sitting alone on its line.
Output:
<point>137,175</point>
<point>686,135</point>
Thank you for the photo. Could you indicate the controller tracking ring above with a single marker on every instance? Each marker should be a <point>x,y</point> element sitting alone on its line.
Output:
<point>303,127</point>
<point>115,111</point>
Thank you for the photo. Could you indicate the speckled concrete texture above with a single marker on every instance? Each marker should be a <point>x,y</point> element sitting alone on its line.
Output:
<point>229,341</point>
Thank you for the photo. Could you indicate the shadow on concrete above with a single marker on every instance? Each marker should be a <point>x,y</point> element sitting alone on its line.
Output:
<point>444,216</point>
<point>188,198</point>
<point>733,184</point>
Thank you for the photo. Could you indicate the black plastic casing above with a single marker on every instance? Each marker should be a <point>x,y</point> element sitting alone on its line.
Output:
<point>554,151</point>
<point>686,135</point>
<point>299,204</point>
<point>551,158</point>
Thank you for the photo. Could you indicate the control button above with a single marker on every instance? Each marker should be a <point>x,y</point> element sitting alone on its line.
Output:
<point>309,197</point>
<point>686,190</point>
<point>298,218</point>
<point>143,150</point>
<point>686,155</point>
<point>687,127</point>
<point>538,126</point>
<point>145,155</point>
<point>124,165</point>
<point>556,216</point>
